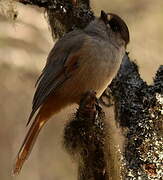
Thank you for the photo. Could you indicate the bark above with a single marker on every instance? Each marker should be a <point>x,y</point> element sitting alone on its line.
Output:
<point>139,112</point>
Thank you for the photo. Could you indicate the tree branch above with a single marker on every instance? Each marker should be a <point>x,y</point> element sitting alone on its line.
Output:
<point>64,15</point>
<point>85,138</point>
<point>139,111</point>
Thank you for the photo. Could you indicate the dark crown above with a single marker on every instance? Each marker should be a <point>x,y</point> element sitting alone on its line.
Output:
<point>117,25</point>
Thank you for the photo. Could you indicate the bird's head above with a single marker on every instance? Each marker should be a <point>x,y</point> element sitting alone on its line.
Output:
<point>117,25</point>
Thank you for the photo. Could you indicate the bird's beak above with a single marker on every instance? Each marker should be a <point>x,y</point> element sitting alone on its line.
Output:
<point>109,17</point>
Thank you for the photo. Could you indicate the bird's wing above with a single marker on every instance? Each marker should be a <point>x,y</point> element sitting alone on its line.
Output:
<point>61,63</point>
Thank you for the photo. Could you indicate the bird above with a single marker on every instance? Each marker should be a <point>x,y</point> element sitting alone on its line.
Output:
<point>82,60</point>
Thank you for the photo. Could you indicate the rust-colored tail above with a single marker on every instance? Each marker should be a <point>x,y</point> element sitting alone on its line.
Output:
<point>28,143</point>
<point>44,113</point>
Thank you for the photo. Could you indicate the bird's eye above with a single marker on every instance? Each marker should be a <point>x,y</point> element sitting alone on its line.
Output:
<point>115,28</point>
<point>114,25</point>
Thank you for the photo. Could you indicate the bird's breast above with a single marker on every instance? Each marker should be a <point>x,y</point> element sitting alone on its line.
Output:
<point>100,67</point>
<point>97,67</point>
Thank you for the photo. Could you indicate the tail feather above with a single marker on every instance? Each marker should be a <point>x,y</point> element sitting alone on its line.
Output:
<point>28,143</point>
<point>44,113</point>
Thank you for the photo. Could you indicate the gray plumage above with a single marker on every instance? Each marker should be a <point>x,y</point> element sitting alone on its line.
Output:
<point>81,61</point>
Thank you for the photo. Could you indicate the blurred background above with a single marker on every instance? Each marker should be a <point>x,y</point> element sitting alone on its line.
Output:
<point>24,46</point>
